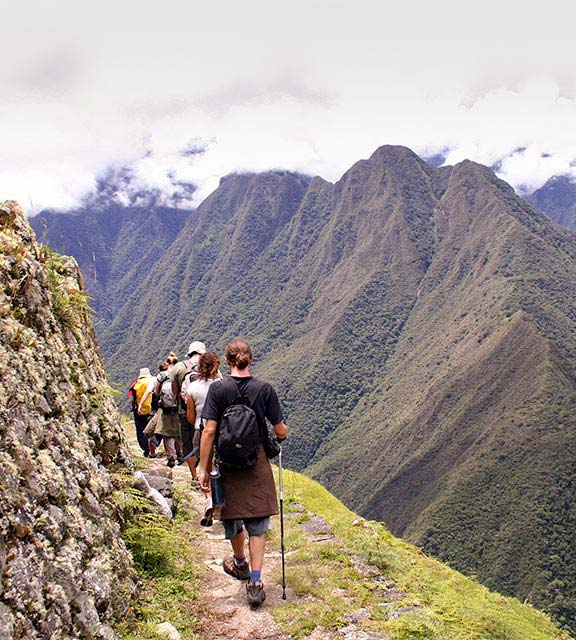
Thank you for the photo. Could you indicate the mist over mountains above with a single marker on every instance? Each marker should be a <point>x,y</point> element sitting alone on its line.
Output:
<point>418,323</point>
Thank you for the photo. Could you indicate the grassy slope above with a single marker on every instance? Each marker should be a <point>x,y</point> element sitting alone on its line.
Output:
<point>448,605</point>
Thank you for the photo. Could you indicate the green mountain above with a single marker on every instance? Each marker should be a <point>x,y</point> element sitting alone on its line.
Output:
<point>557,198</point>
<point>419,325</point>
<point>114,246</point>
<point>469,438</point>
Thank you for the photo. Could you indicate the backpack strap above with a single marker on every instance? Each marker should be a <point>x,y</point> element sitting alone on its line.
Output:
<point>188,364</point>
<point>250,389</point>
<point>132,395</point>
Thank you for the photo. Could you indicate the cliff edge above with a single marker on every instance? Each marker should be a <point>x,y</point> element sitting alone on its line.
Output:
<point>65,570</point>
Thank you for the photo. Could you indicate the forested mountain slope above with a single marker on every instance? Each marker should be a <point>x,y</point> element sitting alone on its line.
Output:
<point>469,439</point>
<point>419,325</point>
<point>114,246</point>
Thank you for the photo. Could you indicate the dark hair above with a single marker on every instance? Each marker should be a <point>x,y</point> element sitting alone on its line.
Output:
<point>171,359</point>
<point>239,354</point>
<point>162,366</point>
<point>208,365</point>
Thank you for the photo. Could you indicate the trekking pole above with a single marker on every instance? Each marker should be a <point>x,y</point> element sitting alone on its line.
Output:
<point>282,522</point>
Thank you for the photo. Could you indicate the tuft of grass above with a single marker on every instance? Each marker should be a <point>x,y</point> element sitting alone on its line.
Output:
<point>70,306</point>
<point>167,560</point>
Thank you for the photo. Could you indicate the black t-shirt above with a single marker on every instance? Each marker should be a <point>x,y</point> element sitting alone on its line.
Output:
<point>221,395</point>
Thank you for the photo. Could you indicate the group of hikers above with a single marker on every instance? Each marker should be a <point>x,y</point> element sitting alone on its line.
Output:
<point>218,426</point>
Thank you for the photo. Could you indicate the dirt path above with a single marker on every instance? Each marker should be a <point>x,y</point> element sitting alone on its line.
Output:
<point>224,612</point>
<point>222,609</point>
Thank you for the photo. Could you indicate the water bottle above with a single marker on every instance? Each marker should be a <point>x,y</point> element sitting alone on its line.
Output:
<point>216,486</point>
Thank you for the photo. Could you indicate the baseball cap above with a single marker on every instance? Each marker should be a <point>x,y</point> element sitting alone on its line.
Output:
<point>196,347</point>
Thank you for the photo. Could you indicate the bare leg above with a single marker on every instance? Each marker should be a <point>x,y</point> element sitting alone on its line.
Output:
<point>237,543</point>
<point>169,446</point>
<point>191,462</point>
<point>257,545</point>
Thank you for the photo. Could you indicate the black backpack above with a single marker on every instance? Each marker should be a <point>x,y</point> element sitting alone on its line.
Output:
<point>239,432</point>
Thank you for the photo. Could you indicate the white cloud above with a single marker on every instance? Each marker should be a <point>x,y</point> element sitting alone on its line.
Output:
<point>308,86</point>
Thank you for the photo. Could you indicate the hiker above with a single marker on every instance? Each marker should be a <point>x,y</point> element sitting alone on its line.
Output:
<point>182,375</point>
<point>152,428</point>
<point>249,493</point>
<point>142,410</point>
<point>168,421</point>
<point>208,372</point>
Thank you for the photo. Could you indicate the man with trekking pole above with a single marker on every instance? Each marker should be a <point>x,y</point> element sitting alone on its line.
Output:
<point>236,437</point>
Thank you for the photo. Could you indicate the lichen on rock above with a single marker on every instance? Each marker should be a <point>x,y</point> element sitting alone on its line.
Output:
<point>65,569</point>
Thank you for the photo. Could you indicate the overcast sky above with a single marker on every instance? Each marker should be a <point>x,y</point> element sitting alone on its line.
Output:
<point>307,85</point>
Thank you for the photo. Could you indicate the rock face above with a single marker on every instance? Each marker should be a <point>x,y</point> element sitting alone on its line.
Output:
<point>65,570</point>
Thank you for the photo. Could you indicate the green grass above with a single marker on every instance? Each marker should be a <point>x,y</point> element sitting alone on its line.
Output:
<point>70,306</point>
<point>167,559</point>
<point>444,604</point>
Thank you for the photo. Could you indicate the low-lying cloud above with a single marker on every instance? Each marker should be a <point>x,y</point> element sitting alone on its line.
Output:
<point>174,101</point>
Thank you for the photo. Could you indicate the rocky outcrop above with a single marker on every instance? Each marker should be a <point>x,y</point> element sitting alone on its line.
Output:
<point>65,569</point>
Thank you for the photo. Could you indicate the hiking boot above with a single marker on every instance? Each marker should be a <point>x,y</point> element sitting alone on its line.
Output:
<point>206,520</point>
<point>239,571</point>
<point>171,462</point>
<point>255,593</point>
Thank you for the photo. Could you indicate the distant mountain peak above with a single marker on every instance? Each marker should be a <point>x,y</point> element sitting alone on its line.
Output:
<point>557,198</point>
<point>394,152</point>
<point>564,179</point>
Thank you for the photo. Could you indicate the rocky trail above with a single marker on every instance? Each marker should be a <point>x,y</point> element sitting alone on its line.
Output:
<point>224,612</point>
<point>222,609</point>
